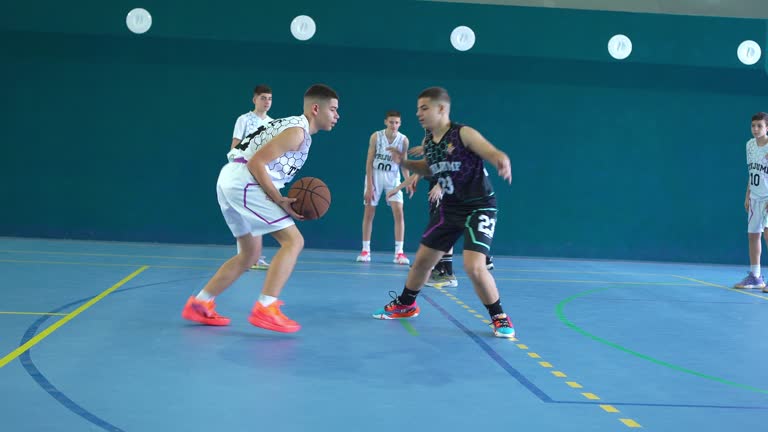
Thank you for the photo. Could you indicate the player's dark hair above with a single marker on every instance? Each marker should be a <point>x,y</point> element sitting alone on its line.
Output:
<point>436,94</point>
<point>320,92</point>
<point>760,116</point>
<point>262,89</point>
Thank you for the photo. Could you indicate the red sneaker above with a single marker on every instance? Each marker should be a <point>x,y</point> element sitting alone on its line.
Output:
<point>272,318</point>
<point>203,312</point>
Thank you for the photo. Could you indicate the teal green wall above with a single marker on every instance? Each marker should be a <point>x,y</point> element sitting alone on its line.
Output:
<point>110,135</point>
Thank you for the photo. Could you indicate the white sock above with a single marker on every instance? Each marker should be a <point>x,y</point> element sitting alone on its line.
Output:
<point>266,300</point>
<point>367,246</point>
<point>204,296</point>
<point>398,247</point>
<point>755,269</point>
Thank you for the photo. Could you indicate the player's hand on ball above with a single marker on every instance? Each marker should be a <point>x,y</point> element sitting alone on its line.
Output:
<point>285,203</point>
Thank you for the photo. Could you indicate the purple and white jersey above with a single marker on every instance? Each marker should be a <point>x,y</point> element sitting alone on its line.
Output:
<point>459,171</point>
<point>284,168</point>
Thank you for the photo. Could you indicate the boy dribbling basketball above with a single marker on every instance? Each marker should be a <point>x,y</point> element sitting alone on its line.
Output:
<point>250,200</point>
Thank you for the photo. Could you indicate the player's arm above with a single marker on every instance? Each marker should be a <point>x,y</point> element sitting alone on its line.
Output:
<point>403,168</point>
<point>409,183</point>
<point>288,140</point>
<point>368,190</point>
<point>419,167</point>
<point>369,162</point>
<point>746,199</point>
<point>478,144</point>
<point>238,132</point>
<point>410,187</point>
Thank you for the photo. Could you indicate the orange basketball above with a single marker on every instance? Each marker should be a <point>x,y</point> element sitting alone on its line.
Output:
<point>312,197</point>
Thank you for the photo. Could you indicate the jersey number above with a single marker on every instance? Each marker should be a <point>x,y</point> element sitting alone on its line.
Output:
<point>754,179</point>
<point>446,184</point>
<point>486,225</point>
<point>384,167</point>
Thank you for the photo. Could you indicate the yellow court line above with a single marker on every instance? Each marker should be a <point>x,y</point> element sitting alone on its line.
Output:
<point>508,270</point>
<point>181,258</point>
<point>43,334</point>
<point>545,364</point>
<point>696,283</point>
<point>597,282</point>
<point>37,252</point>
<point>67,263</point>
<point>187,267</point>
<point>31,313</point>
<point>630,423</point>
<point>701,282</point>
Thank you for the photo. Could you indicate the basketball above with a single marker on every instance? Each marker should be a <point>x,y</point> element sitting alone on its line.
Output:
<point>312,197</point>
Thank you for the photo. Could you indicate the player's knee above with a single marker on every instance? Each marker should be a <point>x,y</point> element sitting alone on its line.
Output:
<point>295,243</point>
<point>244,261</point>
<point>474,269</point>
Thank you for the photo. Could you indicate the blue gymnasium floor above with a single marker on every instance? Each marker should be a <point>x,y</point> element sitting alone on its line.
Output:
<point>91,339</point>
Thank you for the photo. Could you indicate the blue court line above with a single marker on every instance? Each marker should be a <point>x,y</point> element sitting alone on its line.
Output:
<point>492,353</point>
<point>543,396</point>
<point>559,311</point>
<point>42,381</point>
<point>47,386</point>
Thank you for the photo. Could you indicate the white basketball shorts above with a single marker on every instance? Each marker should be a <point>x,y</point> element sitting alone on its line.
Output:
<point>245,205</point>
<point>383,182</point>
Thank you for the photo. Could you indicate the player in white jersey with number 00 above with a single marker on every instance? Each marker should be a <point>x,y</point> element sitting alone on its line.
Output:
<point>756,200</point>
<point>248,191</point>
<point>245,125</point>
<point>382,175</point>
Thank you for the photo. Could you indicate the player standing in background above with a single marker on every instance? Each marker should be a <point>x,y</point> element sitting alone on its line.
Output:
<point>245,125</point>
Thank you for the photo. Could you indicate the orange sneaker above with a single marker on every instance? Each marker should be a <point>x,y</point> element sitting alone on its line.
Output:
<point>272,318</point>
<point>203,312</point>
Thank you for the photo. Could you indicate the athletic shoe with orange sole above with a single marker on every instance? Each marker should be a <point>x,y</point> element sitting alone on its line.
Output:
<point>272,318</point>
<point>397,310</point>
<point>203,312</point>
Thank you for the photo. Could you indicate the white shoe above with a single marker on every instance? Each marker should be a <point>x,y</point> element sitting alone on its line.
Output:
<point>401,259</point>
<point>364,256</point>
<point>261,264</point>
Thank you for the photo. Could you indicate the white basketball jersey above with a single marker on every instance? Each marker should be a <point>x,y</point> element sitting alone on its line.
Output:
<point>248,123</point>
<point>284,168</point>
<point>382,160</point>
<point>757,164</point>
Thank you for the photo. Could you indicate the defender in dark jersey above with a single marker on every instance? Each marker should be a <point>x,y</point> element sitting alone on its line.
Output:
<point>454,156</point>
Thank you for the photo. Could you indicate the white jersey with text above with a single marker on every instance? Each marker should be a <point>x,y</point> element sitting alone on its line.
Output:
<point>757,165</point>
<point>284,168</point>
<point>382,160</point>
<point>248,123</point>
